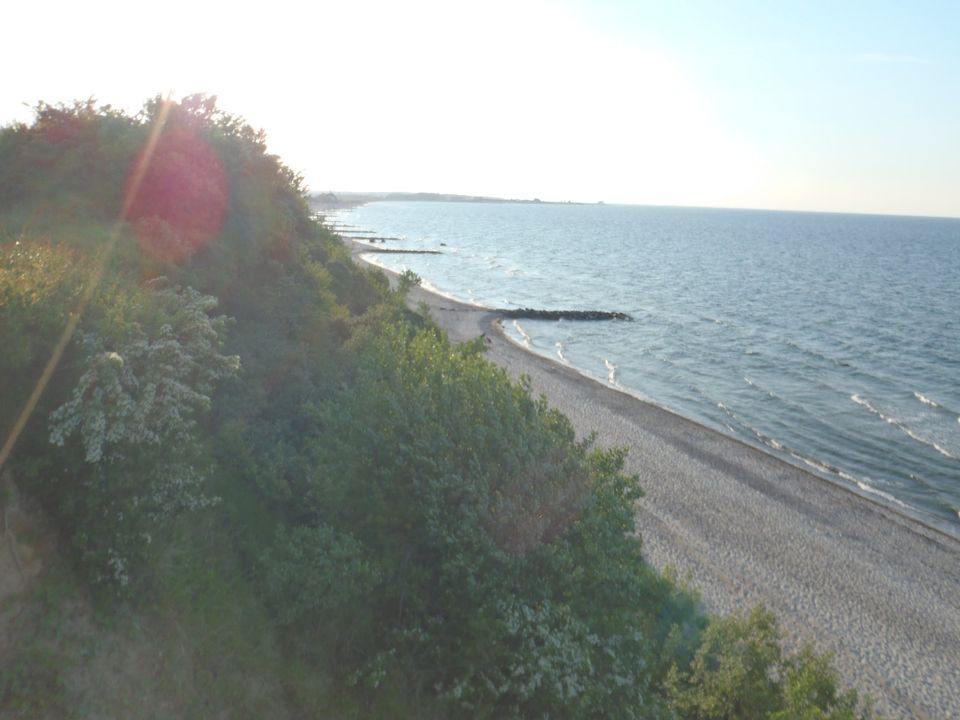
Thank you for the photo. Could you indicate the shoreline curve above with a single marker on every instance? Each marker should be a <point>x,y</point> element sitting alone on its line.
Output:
<point>868,582</point>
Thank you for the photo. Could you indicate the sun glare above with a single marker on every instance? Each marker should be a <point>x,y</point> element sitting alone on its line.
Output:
<point>516,99</point>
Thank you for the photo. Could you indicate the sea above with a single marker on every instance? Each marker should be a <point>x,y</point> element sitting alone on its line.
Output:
<point>829,340</point>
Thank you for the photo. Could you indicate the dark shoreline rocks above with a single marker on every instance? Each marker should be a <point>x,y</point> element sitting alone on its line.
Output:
<point>389,251</point>
<point>533,314</point>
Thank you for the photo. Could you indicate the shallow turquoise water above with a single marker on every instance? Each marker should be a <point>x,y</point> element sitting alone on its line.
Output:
<point>830,340</point>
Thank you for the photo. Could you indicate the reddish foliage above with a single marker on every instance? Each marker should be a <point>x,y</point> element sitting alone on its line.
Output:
<point>181,201</point>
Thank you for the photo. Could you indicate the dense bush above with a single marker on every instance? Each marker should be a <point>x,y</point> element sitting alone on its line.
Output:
<point>740,672</point>
<point>490,555</point>
<point>133,418</point>
<point>39,286</point>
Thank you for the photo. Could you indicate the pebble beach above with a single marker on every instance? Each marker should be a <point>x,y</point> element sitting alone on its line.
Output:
<point>878,589</point>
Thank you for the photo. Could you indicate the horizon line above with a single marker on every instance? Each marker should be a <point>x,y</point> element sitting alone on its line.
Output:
<point>494,199</point>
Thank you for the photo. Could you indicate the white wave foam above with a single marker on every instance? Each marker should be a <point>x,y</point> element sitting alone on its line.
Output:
<point>430,287</point>
<point>812,463</point>
<point>925,400</point>
<point>885,495</point>
<point>611,372</point>
<point>847,476</point>
<point>866,487</point>
<point>899,425</point>
<point>473,301</point>
<point>762,437</point>
<point>822,467</point>
<point>523,333</point>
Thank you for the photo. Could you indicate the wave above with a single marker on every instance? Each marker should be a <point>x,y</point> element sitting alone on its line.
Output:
<point>527,340</point>
<point>430,287</point>
<point>825,468</point>
<point>768,393</point>
<point>818,356</point>
<point>925,400</point>
<point>611,372</point>
<point>723,322</point>
<point>930,402</point>
<point>821,468</point>
<point>471,300</point>
<point>866,487</point>
<point>765,439</point>
<point>899,425</point>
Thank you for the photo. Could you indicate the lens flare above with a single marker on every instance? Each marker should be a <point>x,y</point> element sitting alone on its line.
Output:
<point>181,200</point>
<point>134,182</point>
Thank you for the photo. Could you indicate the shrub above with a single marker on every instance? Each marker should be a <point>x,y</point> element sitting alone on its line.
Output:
<point>133,417</point>
<point>39,285</point>
<point>508,581</point>
<point>740,672</point>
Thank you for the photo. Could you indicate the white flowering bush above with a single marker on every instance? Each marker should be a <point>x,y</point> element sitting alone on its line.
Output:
<point>147,390</point>
<point>133,416</point>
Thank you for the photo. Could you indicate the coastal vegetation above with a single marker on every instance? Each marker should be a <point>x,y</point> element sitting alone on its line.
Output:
<point>256,484</point>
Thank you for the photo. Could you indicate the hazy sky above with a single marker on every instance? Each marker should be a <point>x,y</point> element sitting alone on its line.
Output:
<point>846,106</point>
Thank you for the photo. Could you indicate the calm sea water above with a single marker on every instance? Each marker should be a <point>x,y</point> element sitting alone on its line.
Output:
<point>830,340</point>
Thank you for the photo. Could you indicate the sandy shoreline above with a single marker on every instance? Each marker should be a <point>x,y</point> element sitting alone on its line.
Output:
<point>877,588</point>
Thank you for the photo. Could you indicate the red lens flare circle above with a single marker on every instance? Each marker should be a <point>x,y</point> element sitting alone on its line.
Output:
<point>181,200</point>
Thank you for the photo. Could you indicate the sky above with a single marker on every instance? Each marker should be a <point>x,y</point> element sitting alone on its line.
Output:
<point>826,106</point>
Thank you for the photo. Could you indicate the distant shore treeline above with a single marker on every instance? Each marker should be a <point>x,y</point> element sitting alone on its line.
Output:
<point>332,199</point>
<point>257,485</point>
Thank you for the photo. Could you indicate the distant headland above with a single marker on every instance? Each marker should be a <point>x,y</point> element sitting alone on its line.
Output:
<point>340,199</point>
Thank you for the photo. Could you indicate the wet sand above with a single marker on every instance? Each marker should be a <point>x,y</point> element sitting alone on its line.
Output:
<point>877,588</point>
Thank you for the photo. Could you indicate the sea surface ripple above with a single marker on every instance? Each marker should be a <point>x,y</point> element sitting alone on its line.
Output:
<point>830,340</point>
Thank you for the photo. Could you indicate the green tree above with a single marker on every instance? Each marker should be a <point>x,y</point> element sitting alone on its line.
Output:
<point>133,417</point>
<point>508,580</point>
<point>741,672</point>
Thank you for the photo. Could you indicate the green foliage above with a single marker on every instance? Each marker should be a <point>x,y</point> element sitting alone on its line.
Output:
<point>39,286</point>
<point>144,385</point>
<point>146,388</point>
<point>408,279</point>
<point>731,674</point>
<point>487,523</point>
<point>69,164</point>
<point>34,686</point>
<point>315,572</point>
<point>740,672</point>
<point>45,638</point>
<point>811,691</point>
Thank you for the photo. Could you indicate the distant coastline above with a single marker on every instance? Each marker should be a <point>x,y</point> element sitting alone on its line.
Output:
<point>344,199</point>
<point>340,200</point>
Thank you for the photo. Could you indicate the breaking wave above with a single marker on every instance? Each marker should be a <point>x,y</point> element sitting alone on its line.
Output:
<point>880,493</point>
<point>527,341</point>
<point>900,426</point>
<point>925,400</point>
<point>611,372</point>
